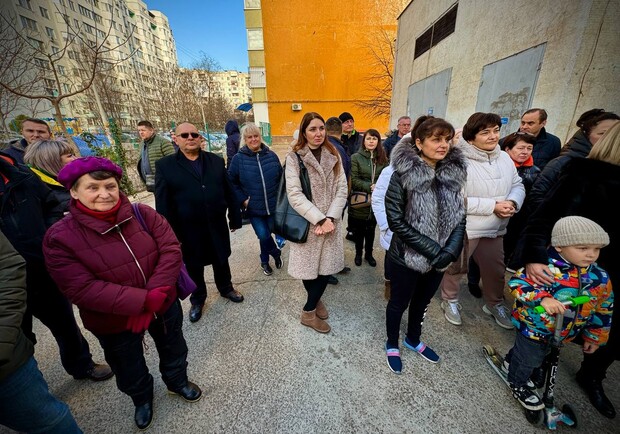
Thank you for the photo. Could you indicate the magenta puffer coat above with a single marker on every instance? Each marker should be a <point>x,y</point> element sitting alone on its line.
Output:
<point>106,270</point>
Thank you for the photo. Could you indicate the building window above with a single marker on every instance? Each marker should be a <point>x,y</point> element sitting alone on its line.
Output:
<point>85,11</point>
<point>257,77</point>
<point>36,44</point>
<point>251,4</point>
<point>27,23</point>
<point>41,63</point>
<point>51,34</point>
<point>44,13</point>
<point>438,31</point>
<point>61,70</point>
<point>255,39</point>
<point>71,5</point>
<point>25,4</point>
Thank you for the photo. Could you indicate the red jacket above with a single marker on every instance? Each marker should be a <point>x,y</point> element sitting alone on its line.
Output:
<point>106,270</point>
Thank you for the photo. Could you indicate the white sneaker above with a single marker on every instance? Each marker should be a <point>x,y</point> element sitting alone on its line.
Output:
<point>501,314</point>
<point>451,309</point>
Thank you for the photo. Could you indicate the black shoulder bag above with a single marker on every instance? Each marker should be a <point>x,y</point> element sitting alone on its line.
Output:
<point>287,222</point>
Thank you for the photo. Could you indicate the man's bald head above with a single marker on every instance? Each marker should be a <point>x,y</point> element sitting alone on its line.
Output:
<point>185,127</point>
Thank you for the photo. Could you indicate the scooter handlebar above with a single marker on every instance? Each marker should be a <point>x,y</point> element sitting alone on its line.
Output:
<point>575,301</point>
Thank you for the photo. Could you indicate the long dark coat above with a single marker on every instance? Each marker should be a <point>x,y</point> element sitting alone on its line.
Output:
<point>196,206</point>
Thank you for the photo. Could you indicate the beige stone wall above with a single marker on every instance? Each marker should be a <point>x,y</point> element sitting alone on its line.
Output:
<point>582,46</point>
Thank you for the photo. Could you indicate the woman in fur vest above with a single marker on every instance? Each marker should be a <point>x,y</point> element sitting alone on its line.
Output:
<point>323,253</point>
<point>425,207</point>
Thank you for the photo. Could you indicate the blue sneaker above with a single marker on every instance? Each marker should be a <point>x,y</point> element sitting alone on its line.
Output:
<point>280,242</point>
<point>423,350</point>
<point>393,359</point>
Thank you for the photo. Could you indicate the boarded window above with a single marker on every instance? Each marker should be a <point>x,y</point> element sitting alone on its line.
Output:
<point>437,32</point>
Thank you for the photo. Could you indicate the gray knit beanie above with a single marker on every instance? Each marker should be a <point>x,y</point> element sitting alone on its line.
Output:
<point>575,230</point>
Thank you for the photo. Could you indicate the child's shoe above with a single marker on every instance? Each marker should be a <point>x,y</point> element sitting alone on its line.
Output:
<point>423,350</point>
<point>532,385</point>
<point>393,359</point>
<point>527,398</point>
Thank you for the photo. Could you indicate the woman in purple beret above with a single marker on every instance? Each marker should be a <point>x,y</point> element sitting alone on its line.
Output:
<point>122,278</point>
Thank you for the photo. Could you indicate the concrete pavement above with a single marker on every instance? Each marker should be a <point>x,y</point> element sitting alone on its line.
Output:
<point>262,371</point>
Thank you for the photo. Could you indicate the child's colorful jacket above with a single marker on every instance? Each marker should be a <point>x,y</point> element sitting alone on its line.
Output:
<point>592,319</point>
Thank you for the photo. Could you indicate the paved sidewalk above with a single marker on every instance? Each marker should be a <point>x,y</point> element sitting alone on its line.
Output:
<point>263,372</point>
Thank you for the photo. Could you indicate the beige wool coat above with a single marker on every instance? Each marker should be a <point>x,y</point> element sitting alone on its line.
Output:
<point>320,254</point>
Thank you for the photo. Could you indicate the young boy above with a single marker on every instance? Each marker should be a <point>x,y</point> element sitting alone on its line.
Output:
<point>575,246</point>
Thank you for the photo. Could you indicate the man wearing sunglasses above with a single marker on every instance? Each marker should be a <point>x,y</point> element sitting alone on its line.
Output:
<point>152,148</point>
<point>193,192</point>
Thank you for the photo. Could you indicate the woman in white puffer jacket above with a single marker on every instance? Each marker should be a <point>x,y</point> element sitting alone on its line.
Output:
<point>494,193</point>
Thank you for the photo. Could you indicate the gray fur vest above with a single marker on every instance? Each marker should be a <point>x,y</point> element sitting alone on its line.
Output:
<point>435,197</point>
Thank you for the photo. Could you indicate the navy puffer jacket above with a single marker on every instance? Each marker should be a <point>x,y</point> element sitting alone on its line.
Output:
<point>256,175</point>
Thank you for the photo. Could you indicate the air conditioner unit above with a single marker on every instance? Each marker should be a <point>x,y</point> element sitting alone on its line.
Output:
<point>296,106</point>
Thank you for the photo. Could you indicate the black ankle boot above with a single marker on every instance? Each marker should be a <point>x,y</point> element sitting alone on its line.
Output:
<point>371,261</point>
<point>596,394</point>
<point>144,415</point>
<point>474,289</point>
<point>358,259</point>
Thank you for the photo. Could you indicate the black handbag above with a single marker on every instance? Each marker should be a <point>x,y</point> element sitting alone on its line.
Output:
<point>287,222</point>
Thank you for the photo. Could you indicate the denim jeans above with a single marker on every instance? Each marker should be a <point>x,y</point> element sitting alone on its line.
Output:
<point>525,356</point>
<point>28,406</point>
<point>263,226</point>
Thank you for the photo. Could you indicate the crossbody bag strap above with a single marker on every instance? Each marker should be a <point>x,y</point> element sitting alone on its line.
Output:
<point>139,218</point>
<point>304,178</point>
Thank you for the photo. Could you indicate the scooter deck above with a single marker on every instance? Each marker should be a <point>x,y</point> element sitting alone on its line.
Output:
<point>496,361</point>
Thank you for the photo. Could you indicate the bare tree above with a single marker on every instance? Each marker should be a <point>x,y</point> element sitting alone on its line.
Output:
<point>377,100</point>
<point>29,60</point>
<point>380,46</point>
<point>206,67</point>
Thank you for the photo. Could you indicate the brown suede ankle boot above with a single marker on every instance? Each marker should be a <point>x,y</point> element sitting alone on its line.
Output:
<point>310,319</point>
<point>388,289</point>
<point>321,310</point>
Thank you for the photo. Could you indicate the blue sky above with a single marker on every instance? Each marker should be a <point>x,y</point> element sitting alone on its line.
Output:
<point>216,27</point>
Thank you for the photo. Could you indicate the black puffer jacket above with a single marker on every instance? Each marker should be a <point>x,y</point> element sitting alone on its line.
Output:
<point>577,146</point>
<point>27,209</point>
<point>425,207</point>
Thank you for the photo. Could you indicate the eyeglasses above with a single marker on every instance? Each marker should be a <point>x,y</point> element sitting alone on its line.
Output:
<point>186,135</point>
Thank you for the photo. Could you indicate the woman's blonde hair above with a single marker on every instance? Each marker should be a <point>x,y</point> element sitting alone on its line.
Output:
<point>249,128</point>
<point>45,155</point>
<point>608,147</point>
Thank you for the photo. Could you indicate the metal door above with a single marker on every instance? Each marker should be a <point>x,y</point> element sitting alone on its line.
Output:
<point>507,86</point>
<point>429,96</point>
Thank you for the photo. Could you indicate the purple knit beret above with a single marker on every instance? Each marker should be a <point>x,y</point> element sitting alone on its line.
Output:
<point>80,166</point>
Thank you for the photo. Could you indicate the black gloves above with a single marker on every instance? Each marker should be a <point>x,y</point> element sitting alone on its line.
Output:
<point>442,260</point>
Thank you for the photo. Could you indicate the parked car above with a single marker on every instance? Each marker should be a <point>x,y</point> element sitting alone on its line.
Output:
<point>216,142</point>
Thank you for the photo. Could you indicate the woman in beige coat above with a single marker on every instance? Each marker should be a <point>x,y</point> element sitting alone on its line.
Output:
<point>323,253</point>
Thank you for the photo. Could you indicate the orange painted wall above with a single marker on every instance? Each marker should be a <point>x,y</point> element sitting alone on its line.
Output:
<point>317,54</point>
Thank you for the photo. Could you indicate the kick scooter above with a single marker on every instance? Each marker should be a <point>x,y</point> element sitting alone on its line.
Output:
<point>552,415</point>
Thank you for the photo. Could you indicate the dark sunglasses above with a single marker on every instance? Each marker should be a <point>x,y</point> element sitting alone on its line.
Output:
<point>186,135</point>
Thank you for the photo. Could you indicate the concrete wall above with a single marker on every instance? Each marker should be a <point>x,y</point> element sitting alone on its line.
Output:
<point>582,46</point>
<point>317,54</point>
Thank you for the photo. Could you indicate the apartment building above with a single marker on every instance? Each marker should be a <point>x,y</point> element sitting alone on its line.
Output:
<point>320,57</point>
<point>140,35</point>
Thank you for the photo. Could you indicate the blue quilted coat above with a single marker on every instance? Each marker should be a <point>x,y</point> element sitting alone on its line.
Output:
<point>256,175</point>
